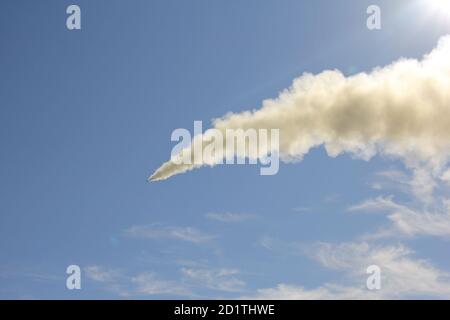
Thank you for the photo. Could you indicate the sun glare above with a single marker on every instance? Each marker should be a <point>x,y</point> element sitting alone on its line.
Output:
<point>434,11</point>
<point>441,6</point>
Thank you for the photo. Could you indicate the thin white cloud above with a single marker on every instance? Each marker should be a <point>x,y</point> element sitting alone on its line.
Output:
<point>407,221</point>
<point>229,217</point>
<point>222,279</point>
<point>291,292</point>
<point>425,212</point>
<point>420,183</point>
<point>149,284</point>
<point>392,180</point>
<point>112,279</point>
<point>156,231</point>
<point>143,284</point>
<point>194,277</point>
<point>403,276</point>
<point>446,176</point>
<point>97,273</point>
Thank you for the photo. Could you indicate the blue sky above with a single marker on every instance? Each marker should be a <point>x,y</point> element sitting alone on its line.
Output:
<point>86,116</point>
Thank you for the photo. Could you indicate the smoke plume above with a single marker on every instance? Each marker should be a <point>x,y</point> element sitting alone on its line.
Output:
<point>400,110</point>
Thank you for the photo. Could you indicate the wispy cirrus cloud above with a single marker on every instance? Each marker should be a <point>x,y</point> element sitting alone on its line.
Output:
<point>446,176</point>
<point>418,182</point>
<point>424,211</point>
<point>150,284</point>
<point>112,279</point>
<point>222,279</point>
<point>403,275</point>
<point>193,278</point>
<point>157,231</point>
<point>407,221</point>
<point>143,284</point>
<point>229,217</point>
<point>100,274</point>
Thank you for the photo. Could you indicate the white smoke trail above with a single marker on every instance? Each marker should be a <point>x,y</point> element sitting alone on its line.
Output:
<point>400,110</point>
